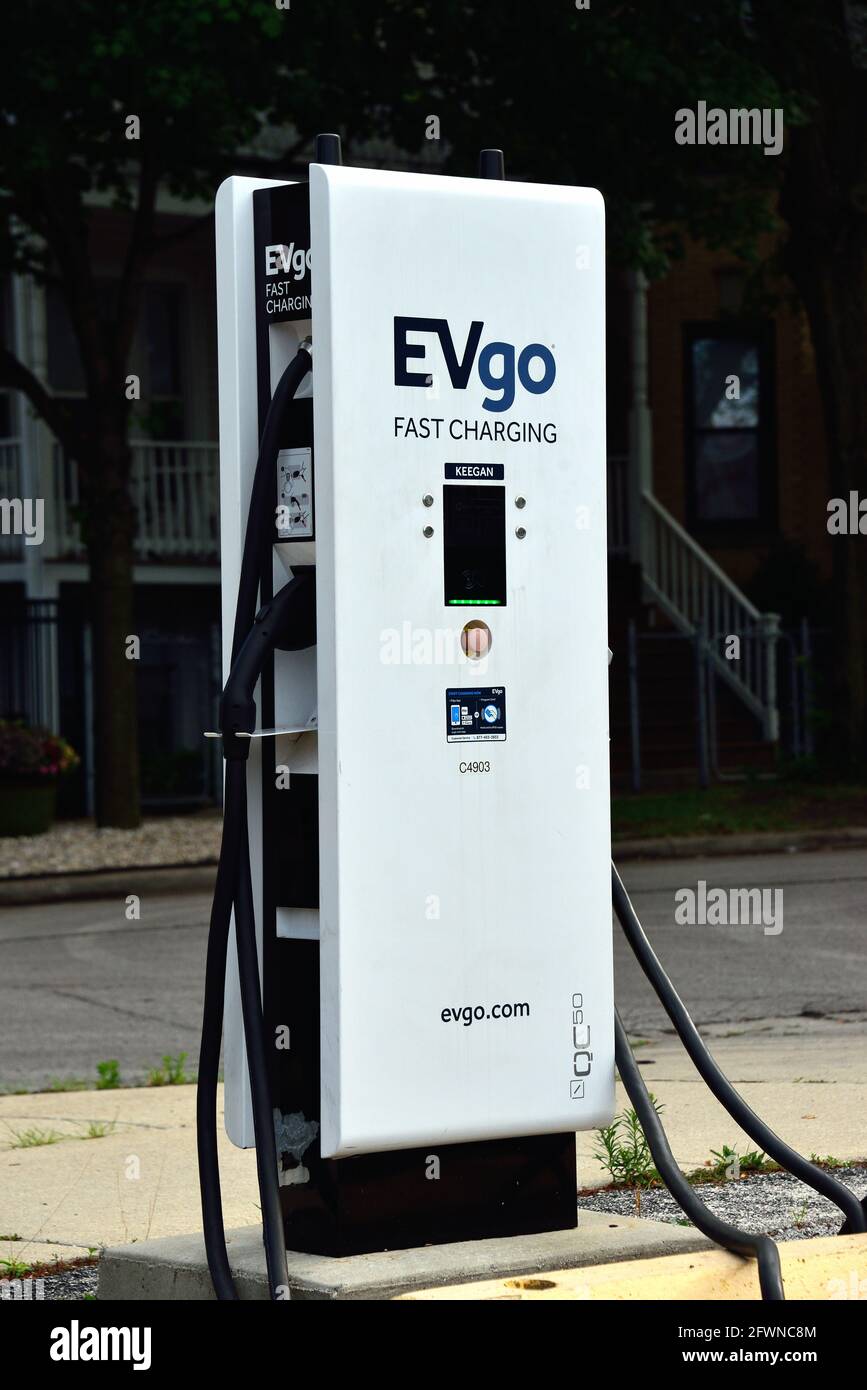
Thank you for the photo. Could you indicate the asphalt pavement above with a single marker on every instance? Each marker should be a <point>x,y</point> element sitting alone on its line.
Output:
<point>79,983</point>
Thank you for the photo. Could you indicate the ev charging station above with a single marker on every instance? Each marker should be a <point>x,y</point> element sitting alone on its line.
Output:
<point>412,403</point>
<point>447,764</point>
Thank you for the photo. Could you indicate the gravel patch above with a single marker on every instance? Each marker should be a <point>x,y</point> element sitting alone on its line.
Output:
<point>72,1284</point>
<point>779,1205</point>
<point>67,1285</point>
<point>77,846</point>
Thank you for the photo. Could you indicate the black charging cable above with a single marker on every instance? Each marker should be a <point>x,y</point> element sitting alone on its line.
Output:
<point>716,1080</point>
<point>234,801</point>
<point>761,1248</point>
<point>255,636</point>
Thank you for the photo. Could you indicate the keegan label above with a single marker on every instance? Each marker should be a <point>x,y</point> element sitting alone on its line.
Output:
<point>493,472</point>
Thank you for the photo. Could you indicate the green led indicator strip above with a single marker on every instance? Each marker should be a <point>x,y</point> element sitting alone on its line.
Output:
<point>475,602</point>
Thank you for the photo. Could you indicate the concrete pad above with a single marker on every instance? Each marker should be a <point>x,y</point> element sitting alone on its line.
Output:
<point>821,1268</point>
<point>139,1181</point>
<point>175,1268</point>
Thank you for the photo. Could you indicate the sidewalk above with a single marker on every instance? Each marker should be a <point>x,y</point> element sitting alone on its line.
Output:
<point>140,1181</point>
<point>810,1087</point>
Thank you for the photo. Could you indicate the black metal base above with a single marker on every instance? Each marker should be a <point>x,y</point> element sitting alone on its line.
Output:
<point>394,1201</point>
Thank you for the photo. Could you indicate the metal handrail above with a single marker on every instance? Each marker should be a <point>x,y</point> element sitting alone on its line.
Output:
<point>696,595</point>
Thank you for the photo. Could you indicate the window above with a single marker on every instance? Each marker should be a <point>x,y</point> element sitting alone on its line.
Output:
<point>155,357</point>
<point>162,384</point>
<point>729,417</point>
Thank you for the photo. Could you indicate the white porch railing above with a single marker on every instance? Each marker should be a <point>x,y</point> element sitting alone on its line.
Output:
<point>697,596</point>
<point>175,491</point>
<point>11,545</point>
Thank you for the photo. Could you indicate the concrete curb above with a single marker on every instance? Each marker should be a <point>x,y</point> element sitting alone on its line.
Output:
<point>175,1267</point>
<point>764,842</point>
<point>199,878</point>
<point>823,1267</point>
<point>51,888</point>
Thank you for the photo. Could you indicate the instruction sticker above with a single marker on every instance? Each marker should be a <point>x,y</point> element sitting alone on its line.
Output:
<point>295,494</point>
<point>477,715</point>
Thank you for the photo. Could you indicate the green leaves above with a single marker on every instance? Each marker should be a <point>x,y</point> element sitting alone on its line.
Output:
<point>623,1151</point>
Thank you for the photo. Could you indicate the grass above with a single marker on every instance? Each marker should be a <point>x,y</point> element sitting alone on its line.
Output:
<point>171,1073</point>
<point>622,1150</point>
<point>97,1129</point>
<point>19,1269</point>
<point>730,1163</point>
<point>108,1074</point>
<point>35,1138</point>
<point>727,809</point>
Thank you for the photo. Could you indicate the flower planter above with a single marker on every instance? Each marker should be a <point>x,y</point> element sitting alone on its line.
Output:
<point>27,806</point>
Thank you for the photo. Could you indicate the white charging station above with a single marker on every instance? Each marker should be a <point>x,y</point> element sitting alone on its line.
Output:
<point>455,707</point>
<point>416,842</point>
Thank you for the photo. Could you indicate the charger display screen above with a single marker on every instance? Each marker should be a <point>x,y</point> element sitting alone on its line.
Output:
<point>474,545</point>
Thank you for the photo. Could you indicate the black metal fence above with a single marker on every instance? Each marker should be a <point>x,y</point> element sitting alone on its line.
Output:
<point>46,678</point>
<point>697,675</point>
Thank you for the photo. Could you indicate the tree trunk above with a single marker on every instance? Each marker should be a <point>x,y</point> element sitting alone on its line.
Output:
<point>109,535</point>
<point>836,296</point>
<point>826,257</point>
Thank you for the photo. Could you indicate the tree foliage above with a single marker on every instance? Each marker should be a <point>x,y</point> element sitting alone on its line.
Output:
<point>572,95</point>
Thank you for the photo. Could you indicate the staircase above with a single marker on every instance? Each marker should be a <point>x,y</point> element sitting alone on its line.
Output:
<point>697,596</point>
<point>688,709</point>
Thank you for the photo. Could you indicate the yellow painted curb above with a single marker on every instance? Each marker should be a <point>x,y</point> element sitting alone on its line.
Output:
<point>824,1267</point>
